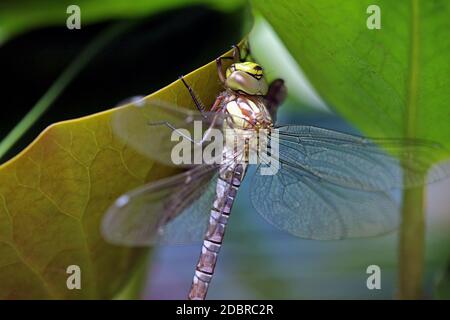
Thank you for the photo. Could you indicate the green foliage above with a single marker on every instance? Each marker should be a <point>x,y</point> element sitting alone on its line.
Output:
<point>54,194</point>
<point>370,76</point>
<point>20,16</point>
<point>389,82</point>
<point>443,283</point>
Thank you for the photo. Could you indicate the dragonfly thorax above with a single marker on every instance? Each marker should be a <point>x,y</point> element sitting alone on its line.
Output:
<point>248,113</point>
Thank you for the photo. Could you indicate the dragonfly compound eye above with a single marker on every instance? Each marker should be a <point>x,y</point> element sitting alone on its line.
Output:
<point>246,77</point>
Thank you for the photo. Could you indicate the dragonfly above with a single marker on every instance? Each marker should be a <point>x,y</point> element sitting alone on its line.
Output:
<point>328,185</point>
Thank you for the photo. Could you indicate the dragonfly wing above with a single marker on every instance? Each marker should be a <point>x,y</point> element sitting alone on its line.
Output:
<point>171,210</point>
<point>357,162</point>
<point>147,126</point>
<point>191,224</point>
<point>313,208</point>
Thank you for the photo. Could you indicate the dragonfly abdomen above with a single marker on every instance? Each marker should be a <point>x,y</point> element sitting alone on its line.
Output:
<point>227,186</point>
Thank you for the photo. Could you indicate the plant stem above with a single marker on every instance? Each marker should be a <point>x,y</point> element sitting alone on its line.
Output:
<point>412,244</point>
<point>74,68</point>
<point>136,284</point>
<point>412,230</point>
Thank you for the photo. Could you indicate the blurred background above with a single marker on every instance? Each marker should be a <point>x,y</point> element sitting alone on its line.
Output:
<point>257,261</point>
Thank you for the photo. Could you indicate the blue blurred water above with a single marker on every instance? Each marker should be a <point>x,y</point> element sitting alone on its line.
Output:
<point>258,261</point>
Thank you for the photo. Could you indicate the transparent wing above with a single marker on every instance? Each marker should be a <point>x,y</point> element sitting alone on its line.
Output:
<point>171,210</point>
<point>311,208</point>
<point>357,162</point>
<point>332,185</point>
<point>147,126</point>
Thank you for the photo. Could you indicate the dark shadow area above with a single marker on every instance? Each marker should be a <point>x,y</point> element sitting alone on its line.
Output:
<point>148,57</point>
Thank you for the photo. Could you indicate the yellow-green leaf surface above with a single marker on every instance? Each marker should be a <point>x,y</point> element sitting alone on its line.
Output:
<point>53,196</point>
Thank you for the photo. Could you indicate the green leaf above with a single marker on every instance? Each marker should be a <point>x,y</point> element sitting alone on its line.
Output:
<point>390,82</point>
<point>20,16</point>
<point>443,283</point>
<point>53,196</point>
<point>374,78</point>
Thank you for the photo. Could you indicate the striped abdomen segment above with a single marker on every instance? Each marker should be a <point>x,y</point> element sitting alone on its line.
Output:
<point>227,187</point>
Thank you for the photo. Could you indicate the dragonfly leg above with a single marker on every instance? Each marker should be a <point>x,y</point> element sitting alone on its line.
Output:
<point>172,127</point>
<point>275,96</point>
<point>236,57</point>
<point>200,106</point>
<point>237,52</point>
<point>219,68</point>
<point>218,103</point>
<point>180,133</point>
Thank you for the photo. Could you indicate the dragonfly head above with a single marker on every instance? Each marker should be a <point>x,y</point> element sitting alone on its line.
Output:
<point>246,77</point>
